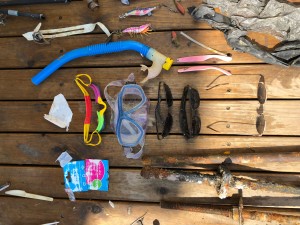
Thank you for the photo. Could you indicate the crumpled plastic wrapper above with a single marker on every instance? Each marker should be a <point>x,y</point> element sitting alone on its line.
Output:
<point>280,19</point>
<point>60,113</point>
<point>64,158</point>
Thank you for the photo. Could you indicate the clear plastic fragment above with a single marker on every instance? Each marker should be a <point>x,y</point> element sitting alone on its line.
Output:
<point>70,194</point>
<point>60,113</point>
<point>64,159</point>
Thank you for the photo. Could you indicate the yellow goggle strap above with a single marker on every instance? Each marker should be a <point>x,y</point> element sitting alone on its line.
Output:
<point>88,108</point>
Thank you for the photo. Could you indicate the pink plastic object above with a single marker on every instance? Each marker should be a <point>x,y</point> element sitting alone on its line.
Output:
<point>199,68</point>
<point>94,170</point>
<point>202,58</point>
<point>96,92</point>
<point>144,29</point>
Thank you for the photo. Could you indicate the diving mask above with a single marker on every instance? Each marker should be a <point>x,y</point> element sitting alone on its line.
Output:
<point>130,115</point>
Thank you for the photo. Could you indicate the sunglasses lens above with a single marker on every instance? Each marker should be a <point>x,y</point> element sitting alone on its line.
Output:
<point>196,125</point>
<point>163,122</point>
<point>158,120</point>
<point>194,98</point>
<point>183,123</point>
<point>261,93</point>
<point>169,96</point>
<point>168,126</point>
<point>157,117</point>
<point>260,124</point>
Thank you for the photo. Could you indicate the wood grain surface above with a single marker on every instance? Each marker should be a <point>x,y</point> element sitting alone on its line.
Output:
<point>217,117</point>
<point>127,184</point>
<point>101,213</point>
<point>31,55</point>
<point>59,15</point>
<point>29,145</point>
<point>281,83</point>
<point>25,149</point>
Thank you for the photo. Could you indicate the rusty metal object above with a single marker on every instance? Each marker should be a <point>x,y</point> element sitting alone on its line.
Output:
<point>178,175</point>
<point>174,39</point>
<point>2,19</point>
<point>179,7</point>
<point>92,4</point>
<point>210,209</point>
<point>222,180</point>
<point>241,207</point>
<point>269,217</point>
<point>250,159</point>
<point>232,212</point>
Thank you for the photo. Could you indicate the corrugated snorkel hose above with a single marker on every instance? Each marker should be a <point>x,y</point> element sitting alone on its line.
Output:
<point>98,49</point>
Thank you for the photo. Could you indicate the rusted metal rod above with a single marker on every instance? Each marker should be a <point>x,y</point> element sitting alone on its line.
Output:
<point>232,212</point>
<point>222,180</point>
<point>222,210</point>
<point>249,160</point>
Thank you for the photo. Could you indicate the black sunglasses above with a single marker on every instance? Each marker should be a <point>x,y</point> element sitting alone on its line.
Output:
<point>194,99</point>
<point>163,125</point>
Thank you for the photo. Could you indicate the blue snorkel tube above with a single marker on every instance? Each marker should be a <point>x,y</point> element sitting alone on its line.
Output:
<point>159,60</point>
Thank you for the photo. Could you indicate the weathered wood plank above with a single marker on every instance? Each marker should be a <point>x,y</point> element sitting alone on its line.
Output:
<point>37,149</point>
<point>19,211</point>
<point>222,117</point>
<point>249,160</point>
<point>27,54</point>
<point>274,203</point>
<point>128,185</point>
<point>95,212</point>
<point>58,15</point>
<point>280,83</point>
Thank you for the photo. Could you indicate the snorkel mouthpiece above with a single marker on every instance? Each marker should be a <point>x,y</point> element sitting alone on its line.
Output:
<point>159,61</point>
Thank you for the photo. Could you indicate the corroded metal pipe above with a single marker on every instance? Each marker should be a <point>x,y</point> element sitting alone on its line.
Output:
<point>210,209</point>
<point>177,175</point>
<point>250,159</point>
<point>232,212</point>
<point>222,180</point>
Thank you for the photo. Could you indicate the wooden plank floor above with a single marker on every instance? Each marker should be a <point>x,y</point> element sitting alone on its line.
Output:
<point>29,145</point>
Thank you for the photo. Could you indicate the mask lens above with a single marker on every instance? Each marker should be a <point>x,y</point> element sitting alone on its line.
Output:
<point>130,134</point>
<point>131,99</point>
